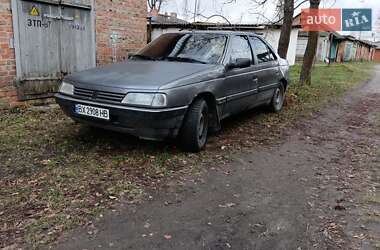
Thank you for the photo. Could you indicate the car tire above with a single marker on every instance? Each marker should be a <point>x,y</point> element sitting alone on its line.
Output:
<point>194,131</point>
<point>278,99</point>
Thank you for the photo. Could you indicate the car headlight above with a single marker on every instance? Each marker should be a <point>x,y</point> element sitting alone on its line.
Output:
<point>156,100</point>
<point>66,88</point>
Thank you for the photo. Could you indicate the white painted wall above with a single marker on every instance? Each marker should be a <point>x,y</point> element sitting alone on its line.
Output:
<point>271,35</point>
<point>322,50</point>
<point>301,46</point>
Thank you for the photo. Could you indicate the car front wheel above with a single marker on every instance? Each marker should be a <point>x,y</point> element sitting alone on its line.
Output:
<point>193,135</point>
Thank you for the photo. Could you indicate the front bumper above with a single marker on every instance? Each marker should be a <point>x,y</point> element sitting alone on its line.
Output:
<point>151,124</point>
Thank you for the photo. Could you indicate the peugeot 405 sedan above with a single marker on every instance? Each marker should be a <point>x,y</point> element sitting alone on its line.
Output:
<point>181,85</point>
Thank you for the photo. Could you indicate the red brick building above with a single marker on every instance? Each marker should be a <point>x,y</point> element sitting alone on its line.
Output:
<point>41,41</point>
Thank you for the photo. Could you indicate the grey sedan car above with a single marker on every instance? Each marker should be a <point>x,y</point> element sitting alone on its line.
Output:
<point>181,85</point>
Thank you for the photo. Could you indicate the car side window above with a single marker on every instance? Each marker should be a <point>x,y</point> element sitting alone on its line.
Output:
<point>272,55</point>
<point>261,50</point>
<point>240,48</point>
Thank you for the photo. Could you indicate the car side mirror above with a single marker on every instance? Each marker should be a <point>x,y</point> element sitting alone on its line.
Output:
<point>240,63</point>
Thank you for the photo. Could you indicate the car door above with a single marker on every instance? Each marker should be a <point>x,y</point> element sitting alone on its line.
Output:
<point>240,84</point>
<point>268,72</point>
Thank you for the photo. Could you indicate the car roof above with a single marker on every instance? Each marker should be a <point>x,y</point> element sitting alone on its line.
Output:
<point>221,32</point>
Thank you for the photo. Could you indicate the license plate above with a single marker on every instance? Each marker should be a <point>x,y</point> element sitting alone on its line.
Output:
<point>92,111</point>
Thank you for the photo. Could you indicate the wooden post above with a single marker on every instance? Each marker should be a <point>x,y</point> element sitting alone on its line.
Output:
<point>149,35</point>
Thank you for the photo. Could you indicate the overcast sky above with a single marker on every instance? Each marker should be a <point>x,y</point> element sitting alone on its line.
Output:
<point>243,11</point>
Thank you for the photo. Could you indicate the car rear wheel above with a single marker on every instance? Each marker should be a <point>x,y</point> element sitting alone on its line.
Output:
<point>278,99</point>
<point>193,135</point>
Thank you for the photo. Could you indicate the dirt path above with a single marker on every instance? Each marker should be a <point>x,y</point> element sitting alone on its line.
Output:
<point>317,189</point>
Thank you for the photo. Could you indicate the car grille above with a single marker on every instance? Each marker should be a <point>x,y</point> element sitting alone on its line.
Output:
<point>98,95</point>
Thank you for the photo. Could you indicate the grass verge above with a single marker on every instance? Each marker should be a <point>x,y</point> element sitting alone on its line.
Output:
<point>56,174</point>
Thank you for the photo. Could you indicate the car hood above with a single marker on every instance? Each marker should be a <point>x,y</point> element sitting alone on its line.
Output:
<point>144,75</point>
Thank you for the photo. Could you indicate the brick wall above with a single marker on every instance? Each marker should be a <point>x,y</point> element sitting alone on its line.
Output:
<point>8,93</point>
<point>125,17</point>
<point>377,55</point>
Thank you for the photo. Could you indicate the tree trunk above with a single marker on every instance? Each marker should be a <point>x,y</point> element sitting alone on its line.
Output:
<point>286,30</point>
<point>309,57</point>
<point>311,50</point>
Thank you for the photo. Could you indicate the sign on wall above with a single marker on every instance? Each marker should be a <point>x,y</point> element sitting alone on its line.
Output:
<point>336,19</point>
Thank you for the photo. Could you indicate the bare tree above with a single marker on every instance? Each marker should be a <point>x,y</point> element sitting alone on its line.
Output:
<point>259,7</point>
<point>192,11</point>
<point>311,50</point>
<point>155,5</point>
<point>284,14</point>
<point>286,29</point>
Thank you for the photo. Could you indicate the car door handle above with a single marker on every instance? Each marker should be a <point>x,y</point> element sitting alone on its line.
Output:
<point>255,79</point>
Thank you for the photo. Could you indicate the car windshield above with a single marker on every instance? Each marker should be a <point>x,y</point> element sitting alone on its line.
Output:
<point>190,48</point>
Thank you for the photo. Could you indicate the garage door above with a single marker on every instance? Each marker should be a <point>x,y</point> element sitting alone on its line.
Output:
<point>53,38</point>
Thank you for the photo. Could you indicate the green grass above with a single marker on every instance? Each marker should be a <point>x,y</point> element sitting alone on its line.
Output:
<point>56,174</point>
<point>328,82</point>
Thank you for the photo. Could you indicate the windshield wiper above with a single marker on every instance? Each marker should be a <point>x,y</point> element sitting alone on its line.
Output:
<point>182,59</point>
<point>143,57</point>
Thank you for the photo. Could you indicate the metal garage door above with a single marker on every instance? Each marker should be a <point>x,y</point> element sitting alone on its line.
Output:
<point>52,38</point>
